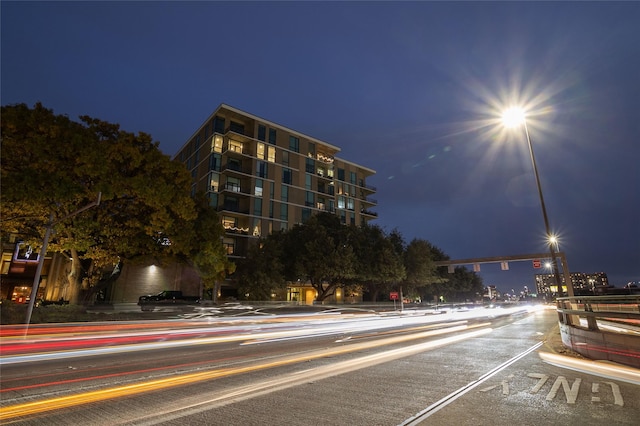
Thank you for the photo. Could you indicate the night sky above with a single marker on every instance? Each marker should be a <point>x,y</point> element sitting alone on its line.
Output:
<point>412,90</point>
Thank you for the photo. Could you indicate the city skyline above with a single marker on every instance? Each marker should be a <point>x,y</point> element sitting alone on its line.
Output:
<point>413,91</point>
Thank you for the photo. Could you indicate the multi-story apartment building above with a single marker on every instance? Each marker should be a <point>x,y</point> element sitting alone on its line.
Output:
<point>263,177</point>
<point>583,283</point>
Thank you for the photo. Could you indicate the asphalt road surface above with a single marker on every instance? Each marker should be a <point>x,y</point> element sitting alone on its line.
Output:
<point>486,367</point>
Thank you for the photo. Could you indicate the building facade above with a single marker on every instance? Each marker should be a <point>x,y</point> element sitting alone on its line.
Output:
<point>583,284</point>
<point>262,177</point>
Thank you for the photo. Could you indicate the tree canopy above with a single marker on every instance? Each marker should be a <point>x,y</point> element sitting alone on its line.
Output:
<point>53,166</point>
<point>329,255</point>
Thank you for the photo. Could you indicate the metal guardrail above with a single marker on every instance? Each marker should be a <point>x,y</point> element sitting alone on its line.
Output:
<point>593,308</point>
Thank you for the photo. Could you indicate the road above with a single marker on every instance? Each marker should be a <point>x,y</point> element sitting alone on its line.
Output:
<point>333,368</point>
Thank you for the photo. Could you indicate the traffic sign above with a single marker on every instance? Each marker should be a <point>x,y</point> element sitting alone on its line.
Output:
<point>394,295</point>
<point>537,263</point>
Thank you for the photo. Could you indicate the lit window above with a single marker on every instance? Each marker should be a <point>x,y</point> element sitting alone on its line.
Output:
<point>260,151</point>
<point>235,146</point>
<point>216,145</point>
<point>229,222</point>
<point>271,154</point>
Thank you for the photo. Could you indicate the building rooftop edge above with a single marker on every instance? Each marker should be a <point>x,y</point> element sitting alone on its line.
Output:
<point>257,118</point>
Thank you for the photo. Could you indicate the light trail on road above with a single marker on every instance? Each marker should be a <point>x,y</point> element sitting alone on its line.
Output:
<point>36,407</point>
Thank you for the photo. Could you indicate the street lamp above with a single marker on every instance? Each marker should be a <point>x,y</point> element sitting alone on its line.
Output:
<point>514,117</point>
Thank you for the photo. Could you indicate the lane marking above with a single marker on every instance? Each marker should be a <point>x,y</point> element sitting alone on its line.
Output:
<point>433,408</point>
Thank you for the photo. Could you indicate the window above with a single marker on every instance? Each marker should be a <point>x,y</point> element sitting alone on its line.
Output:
<point>197,143</point>
<point>294,144</point>
<point>284,196</point>
<point>285,158</point>
<point>287,176</point>
<point>353,177</point>
<point>218,125</point>
<point>229,245</point>
<point>258,189</point>
<point>321,187</point>
<point>262,132</point>
<point>272,136</point>
<point>257,207</point>
<point>332,190</point>
<point>341,202</point>
<point>229,222</point>
<point>284,211</point>
<point>312,149</point>
<point>214,182</point>
<point>236,127</point>
<point>235,146</point>
<point>271,152</point>
<point>215,162</point>
<point>310,165</point>
<point>307,181</point>
<point>231,204</point>
<point>260,151</point>
<point>213,200</point>
<point>234,164</point>
<point>233,184</point>
<point>350,204</point>
<point>309,199</point>
<point>262,169</point>
<point>216,144</point>
<point>341,174</point>
<point>206,132</point>
<point>306,215</point>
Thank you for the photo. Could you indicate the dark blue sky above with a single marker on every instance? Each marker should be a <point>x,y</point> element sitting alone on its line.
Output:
<point>409,89</point>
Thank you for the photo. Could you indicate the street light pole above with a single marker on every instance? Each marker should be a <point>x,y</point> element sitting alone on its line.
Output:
<point>550,238</point>
<point>43,252</point>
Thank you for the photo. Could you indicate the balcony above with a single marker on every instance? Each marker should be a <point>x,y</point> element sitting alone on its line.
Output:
<point>235,167</point>
<point>366,212</point>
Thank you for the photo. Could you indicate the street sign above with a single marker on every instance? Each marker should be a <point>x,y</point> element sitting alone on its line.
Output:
<point>504,266</point>
<point>393,295</point>
<point>476,267</point>
<point>537,263</point>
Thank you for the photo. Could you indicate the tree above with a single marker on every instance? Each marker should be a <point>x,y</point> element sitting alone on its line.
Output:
<point>206,251</point>
<point>419,260</point>
<point>379,263</point>
<point>52,165</point>
<point>318,252</point>
<point>260,272</point>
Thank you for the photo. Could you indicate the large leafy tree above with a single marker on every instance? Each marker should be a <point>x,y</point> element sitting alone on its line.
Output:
<point>320,253</point>
<point>419,258</point>
<point>379,263</point>
<point>206,252</point>
<point>260,273</point>
<point>52,166</point>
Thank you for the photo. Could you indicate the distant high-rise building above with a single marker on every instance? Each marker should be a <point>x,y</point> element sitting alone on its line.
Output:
<point>263,177</point>
<point>583,283</point>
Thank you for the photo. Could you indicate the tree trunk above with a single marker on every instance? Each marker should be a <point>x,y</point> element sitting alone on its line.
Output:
<point>74,278</point>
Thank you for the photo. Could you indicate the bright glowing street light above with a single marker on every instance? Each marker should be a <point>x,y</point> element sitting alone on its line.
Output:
<point>513,117</point>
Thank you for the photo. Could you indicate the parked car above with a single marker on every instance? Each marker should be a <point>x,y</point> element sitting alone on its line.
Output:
<point>168,298</point>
